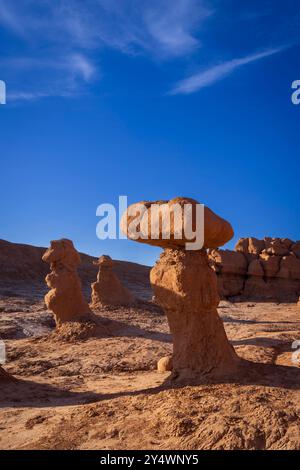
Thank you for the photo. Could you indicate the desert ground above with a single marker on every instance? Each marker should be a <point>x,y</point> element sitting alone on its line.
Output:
<point>83,391</point>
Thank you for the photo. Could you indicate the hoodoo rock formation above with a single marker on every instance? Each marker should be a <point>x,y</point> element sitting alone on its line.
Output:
<point>185,286</point>
<point>267,269</point>
<point>108,289</point>
<point>65,299</point>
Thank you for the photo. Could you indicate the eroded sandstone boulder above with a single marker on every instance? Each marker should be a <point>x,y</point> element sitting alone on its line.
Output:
<point>143,216</point>
<point>185,286</point>
<point>65,299</point>
<point>108,289</point>
<point>165,364</point>
<point>278,246</point>
<point>250,245</point>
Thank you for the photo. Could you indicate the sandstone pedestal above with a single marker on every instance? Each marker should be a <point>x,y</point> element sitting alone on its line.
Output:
<point>108,289</point>
<point>185,286</point>
<point>65,298</point>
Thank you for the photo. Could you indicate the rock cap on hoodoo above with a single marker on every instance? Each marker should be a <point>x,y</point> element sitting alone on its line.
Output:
<point>217,231</point>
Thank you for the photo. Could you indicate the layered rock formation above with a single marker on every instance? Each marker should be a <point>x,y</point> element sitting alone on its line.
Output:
<point>186,288</point>
<point>65,298</point>
<point>108,289</point>
<point>267,269</point>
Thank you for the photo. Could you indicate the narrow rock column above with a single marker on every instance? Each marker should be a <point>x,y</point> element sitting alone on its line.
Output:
<point>186,288</point>
<point>65,298</point>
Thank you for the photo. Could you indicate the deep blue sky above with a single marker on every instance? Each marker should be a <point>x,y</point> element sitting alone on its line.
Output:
<point>150,99</point>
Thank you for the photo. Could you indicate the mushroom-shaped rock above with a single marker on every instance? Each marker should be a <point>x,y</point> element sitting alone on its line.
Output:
<point>65,298</point>
<point>174,223</point>
<point>185,286</point>
<point>108,289</point>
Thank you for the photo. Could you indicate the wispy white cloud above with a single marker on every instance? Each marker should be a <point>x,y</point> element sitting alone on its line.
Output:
<point>216,73</point>
<point>73,32</point>
<point>51,77</point>
<point>158,27</point>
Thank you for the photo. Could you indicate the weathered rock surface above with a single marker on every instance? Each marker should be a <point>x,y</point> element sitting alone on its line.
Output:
<point>271,271</point>
<point>22,270</point>
<point>4,376</point>
<point>185,287</point>
<point>142,217</point>
<point>65,299</point>
<point>165,364</point>
<point>108,289</point>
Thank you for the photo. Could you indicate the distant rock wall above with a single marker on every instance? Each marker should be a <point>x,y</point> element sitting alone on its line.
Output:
<point>259,270</point>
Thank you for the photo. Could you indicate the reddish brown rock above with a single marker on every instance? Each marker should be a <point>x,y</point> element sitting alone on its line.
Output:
<point>277,246</point>
<point>217,231</point>
<point>108,290</point>
<point>250,245</point>
<point>165,364</point>
<point>5,376</point>
<point>270,264</point>
<point>290,266</point>
<point>271,275</point>
<point>255,269</point>
<point>65,299</point>
<point>295,248</point>
<point>257,289</point>
<point>228,262</point>
<point>230,285</point>
<point>186,288</point>
<point>231,267</point>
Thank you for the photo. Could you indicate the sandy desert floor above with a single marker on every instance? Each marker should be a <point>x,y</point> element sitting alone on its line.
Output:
<point>94,392</point>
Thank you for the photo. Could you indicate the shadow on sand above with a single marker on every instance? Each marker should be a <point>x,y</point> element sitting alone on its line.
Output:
<point>28,394</point>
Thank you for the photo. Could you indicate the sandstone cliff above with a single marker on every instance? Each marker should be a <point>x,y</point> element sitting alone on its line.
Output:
<point>262,270</point>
